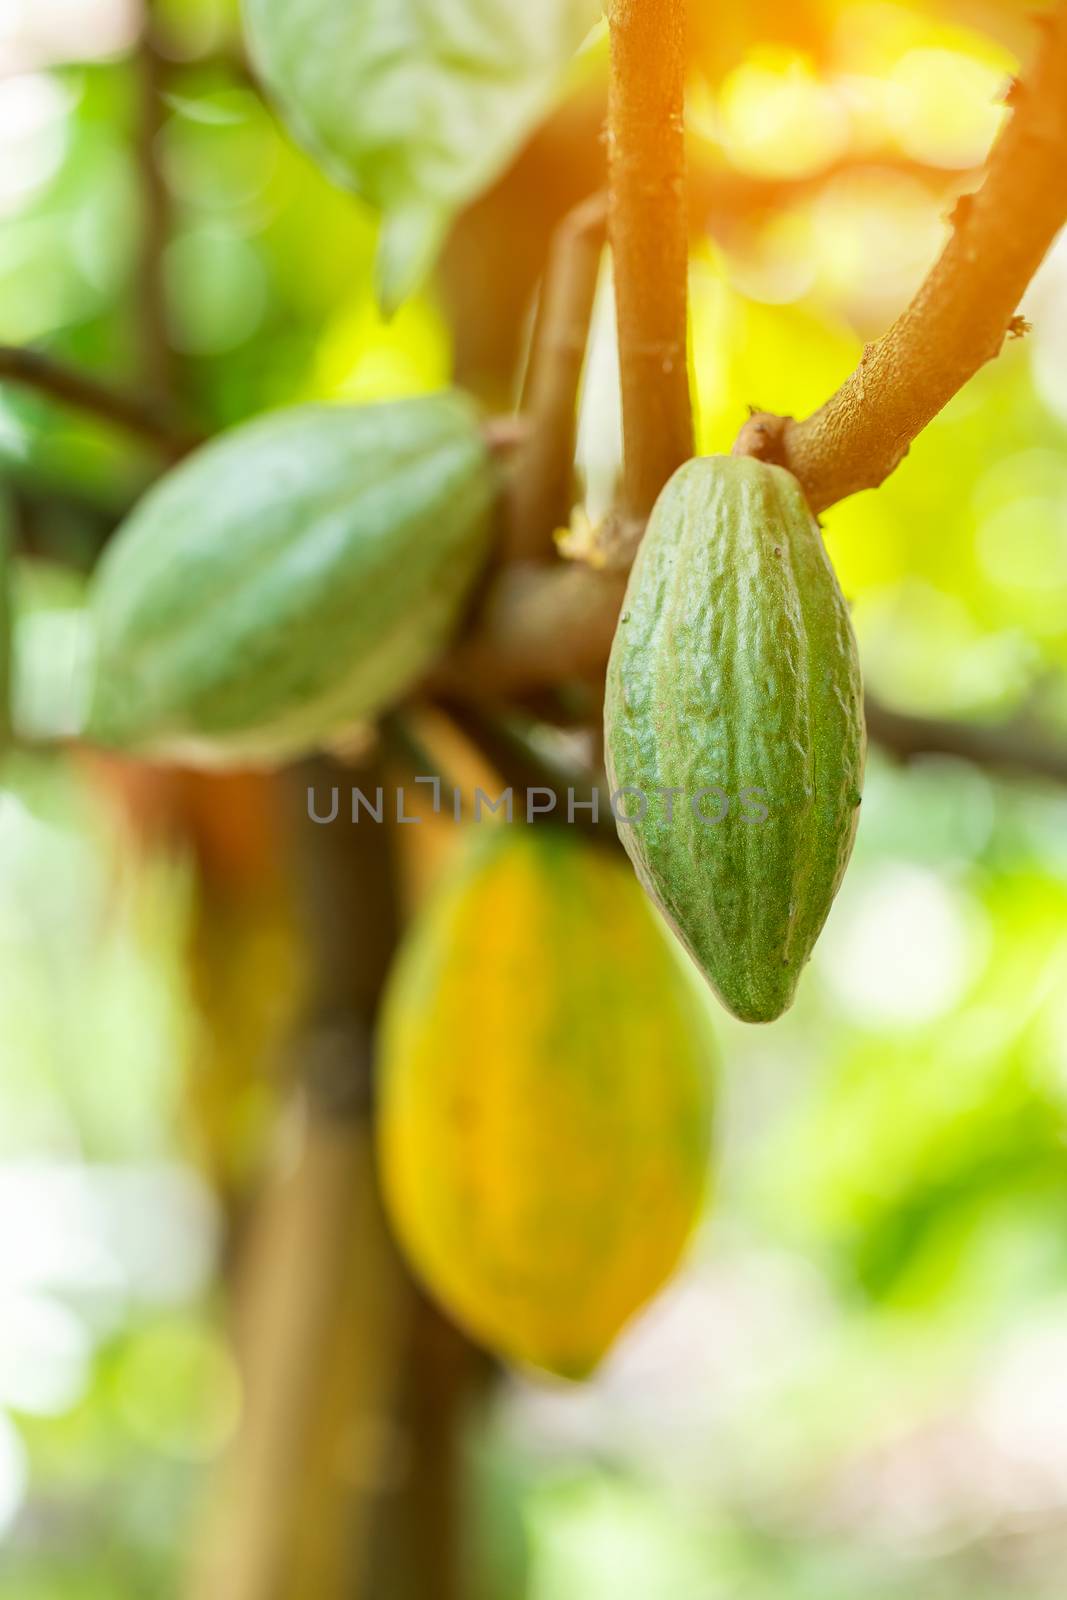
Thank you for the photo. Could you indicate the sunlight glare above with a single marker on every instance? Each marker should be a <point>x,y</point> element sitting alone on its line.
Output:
<point>777,119</point>
<point>947,107</point>
<point>900,946</point>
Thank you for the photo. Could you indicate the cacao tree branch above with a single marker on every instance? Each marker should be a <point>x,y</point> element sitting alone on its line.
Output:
<point>403,745</point>
<point>537,625</point>
<point>523,765</point>
<point>958,320</point>
<point>999,747</point>
<point>542,482</point>
<point>723,199</point>
<point>1011,746</point>
<point>962,313</point>
<point>419,1546</point>
<point>649,241</point>
<point>139,414</point>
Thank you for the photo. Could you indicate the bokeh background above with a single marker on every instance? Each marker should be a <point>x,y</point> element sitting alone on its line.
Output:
<point>858,1385</point>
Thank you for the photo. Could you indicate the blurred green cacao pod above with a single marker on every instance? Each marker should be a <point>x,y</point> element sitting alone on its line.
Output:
<point>734,681</point>
<point>289,580</point>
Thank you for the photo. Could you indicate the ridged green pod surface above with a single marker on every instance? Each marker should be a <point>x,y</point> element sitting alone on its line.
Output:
<point>545,1093</point>
<point>288,580</point>
<point>734,681</point>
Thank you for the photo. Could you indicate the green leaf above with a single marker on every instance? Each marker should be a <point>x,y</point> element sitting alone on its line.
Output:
<point>415,104</point>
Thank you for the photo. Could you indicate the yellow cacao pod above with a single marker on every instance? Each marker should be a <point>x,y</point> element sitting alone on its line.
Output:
<point>545,1097</point>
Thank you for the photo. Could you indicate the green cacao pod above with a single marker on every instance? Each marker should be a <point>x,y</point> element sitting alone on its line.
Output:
<point>734,681</point>
<point>288,580</point>
<point>544,1120</point>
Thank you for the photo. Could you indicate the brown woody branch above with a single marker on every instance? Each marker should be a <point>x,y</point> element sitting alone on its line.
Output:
<point>139,414</point>
<point>1001,747</point>
<point>723,199</point>
<point>324,1309</point>
<point>538,625</point>
<point>1013,747</point>
<point>649,241</point>
<point>961,315</point>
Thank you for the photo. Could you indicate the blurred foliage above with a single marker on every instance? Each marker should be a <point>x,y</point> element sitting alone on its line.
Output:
<point>857,1388</point>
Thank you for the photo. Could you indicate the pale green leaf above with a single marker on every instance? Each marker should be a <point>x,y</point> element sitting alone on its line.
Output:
<point>417,105</point>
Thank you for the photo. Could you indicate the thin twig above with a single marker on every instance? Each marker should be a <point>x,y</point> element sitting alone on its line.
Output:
<point>962,314</point>
<point>157,356</point>
<point>649,241</point>
<point>140,414</point>
<point>542,481</point>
